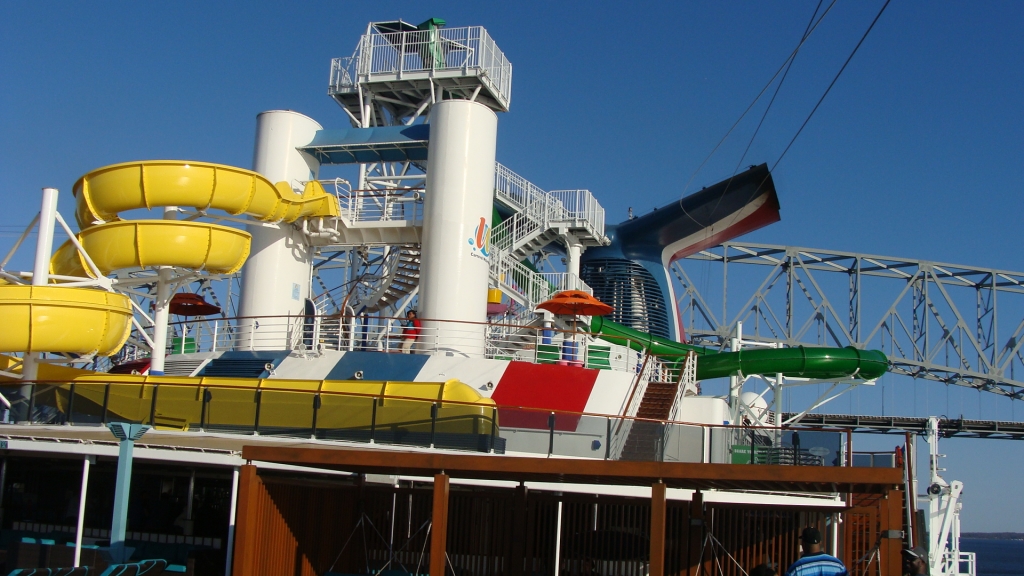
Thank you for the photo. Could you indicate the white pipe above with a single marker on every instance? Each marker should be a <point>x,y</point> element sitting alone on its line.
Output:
<point>231,521</point>
<point>40,277</point>
<point>558,541</point>
<point>44,244</point>
<point>81,508</point>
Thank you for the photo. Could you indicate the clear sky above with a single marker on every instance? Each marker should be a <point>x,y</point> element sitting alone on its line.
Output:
<point>917,152</point>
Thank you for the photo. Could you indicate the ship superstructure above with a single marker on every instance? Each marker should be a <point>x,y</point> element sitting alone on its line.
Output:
<point>137,319</point>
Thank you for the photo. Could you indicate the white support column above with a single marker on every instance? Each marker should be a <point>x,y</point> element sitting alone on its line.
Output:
<point>456,224</point>
<point>231,521</point>
<point>573,251</point>
<point>86,463</point>
<point>276,277</point>
<point>40,277</point>
<point>161,309</point>
<point>735,380</point>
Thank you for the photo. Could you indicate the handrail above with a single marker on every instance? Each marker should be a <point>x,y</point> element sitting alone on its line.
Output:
<point>121,379</point>
<point>468,50</point>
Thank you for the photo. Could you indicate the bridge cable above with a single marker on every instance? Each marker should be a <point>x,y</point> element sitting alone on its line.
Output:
<point>827,90</point>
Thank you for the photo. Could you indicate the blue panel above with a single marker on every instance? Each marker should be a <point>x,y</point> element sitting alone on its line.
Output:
<point>379,366</point>
<point>243,364</point>
<point>383,143</point>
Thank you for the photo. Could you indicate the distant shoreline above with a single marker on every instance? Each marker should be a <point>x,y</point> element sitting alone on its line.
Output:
<point>993,535</point>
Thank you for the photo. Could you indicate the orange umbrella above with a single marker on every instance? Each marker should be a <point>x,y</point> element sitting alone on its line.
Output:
<point>575,303</point>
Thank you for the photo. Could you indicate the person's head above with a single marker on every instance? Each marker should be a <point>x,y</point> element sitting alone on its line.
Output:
<point>810,538</point>
<point>915,560</point>
<point>763,570</point>
<point>410,314</point>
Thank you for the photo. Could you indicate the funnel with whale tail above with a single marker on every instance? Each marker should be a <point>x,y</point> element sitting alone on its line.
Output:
<point>631,274</point>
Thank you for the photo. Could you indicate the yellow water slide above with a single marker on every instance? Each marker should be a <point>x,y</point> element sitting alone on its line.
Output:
<point>85,321</point>
<point>113,243</point>
<point>55,318</point>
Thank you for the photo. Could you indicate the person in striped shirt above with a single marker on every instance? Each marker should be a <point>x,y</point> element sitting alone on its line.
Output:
<point>814,561</point>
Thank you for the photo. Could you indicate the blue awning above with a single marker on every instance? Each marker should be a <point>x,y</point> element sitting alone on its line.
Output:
<point>359,145</point>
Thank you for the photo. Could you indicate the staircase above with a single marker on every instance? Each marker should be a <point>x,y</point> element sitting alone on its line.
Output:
<point>403,276</point>
<point>539,219</point>
<point>660,402</point>
<point>645,438</point>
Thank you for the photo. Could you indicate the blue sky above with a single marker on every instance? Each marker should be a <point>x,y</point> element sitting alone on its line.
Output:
<point>917,152</point>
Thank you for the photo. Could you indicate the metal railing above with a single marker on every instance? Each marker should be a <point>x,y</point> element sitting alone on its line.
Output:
<point>531,287</point>
<point>404,204</point>
<point>267,408</point>
<point>514,189</point>
<point>272,408</point>
<point>959,564</point>
<point>466,51</point>
<point>582,209</point>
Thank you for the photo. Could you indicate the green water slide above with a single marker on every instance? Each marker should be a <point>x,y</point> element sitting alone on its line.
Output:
<point>798,362</point>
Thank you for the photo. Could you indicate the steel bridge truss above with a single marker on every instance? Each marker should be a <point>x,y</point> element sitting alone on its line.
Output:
<point>946,323</point>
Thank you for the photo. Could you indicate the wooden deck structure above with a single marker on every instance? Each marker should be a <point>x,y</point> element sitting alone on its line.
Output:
<point>302,524</point>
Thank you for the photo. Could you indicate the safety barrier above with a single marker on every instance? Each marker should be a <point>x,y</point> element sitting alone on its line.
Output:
<point>463,51</point>
<point>386,419</point>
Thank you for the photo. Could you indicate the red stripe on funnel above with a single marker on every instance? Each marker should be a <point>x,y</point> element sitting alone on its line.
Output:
<point>545,386</point>
<point>767,214</point>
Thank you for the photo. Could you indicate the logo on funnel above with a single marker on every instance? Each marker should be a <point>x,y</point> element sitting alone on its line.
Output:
<point>481,239</point>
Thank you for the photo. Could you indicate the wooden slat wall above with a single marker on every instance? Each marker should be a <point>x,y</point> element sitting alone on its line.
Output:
<point>296,527</point>
<point>283,527</point>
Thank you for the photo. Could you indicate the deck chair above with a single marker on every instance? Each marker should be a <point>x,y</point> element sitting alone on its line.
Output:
<point>30,572</point>
<point>140,568</point>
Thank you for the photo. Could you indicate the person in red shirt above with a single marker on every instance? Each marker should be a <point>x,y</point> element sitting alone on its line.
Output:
<point>410,332</point>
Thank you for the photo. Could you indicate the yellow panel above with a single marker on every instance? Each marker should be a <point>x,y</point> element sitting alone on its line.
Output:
<point>233,403</point>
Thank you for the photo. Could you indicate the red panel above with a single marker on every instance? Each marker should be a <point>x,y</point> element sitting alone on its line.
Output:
<point>547,386</point>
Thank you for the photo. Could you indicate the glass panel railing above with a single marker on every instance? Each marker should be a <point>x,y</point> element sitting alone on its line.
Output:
<point>579,436</point>
<point>231,410</point>
<point>293,410</point>
<point>286,413</point>
<point>348,418</point>
<point>86,403</point>
<point>683,443</point>
<point>179,407</point>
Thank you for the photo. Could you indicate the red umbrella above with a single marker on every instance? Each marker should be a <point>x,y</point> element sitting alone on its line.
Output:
<point>188,304</point>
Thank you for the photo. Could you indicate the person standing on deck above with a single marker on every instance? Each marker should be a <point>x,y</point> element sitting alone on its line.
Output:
<point>813,561</point>
<point>410,332</point>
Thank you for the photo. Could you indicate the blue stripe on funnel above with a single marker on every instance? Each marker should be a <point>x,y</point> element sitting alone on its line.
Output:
<point>379,366</point>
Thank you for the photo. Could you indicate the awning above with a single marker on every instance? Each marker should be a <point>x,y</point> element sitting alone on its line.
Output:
<point>359,145</point>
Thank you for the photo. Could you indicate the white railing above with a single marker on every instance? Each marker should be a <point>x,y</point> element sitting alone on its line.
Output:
<point>581,206</point>
<point>378,205</point>
<point>687,382</point>
<point>959,564</point>
<point>468,51</point>
<point>578,208</point>
<point>514,189</point>
<point>530,287</point>
<point>314,334</point>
